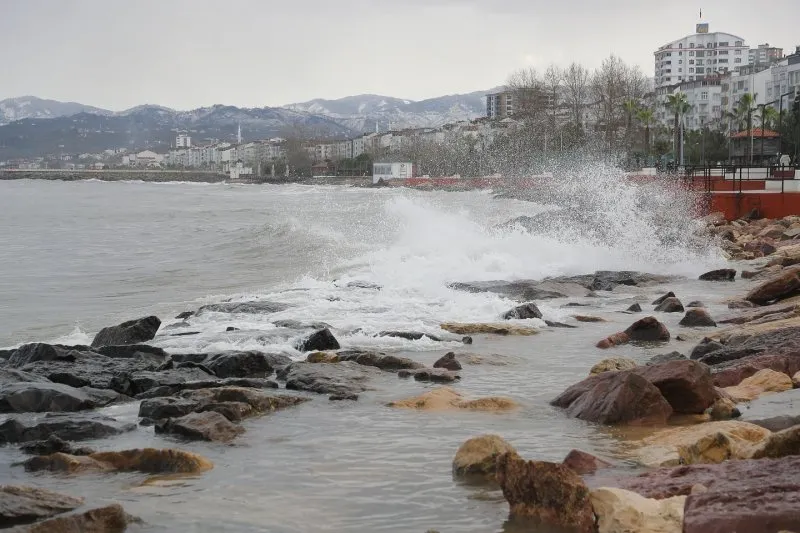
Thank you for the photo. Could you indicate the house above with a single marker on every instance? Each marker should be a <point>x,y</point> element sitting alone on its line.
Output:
<point>765,146</point>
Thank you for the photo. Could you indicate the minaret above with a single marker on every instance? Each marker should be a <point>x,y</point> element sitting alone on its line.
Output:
<point>239,134</point>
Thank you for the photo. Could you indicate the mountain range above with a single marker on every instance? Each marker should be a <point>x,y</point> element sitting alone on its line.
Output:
<point>31,126</point>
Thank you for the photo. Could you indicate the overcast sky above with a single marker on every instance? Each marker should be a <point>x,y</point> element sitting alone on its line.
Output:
<point>190,53</point>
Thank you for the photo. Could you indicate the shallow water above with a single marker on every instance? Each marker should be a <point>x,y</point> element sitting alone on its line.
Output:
<point>78,256</point>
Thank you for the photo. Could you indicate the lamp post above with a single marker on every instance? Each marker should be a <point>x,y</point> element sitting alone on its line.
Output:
<point>780,122</point>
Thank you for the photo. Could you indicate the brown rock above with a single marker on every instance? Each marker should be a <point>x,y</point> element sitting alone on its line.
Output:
<point>434,375</point>
<point>613,364</point>
<point>447,399</point>
<point>784,285</point>
<point>478,456</point>
<point>615,398</point>
<point>588,318</point>
<point>660,299</point>
<point>774,231</point>
<point>687,385</point>
<point>22,505</point>
<point>549,493</point>
<point>584,463</point>
<point>492,329</point>
<point>723,409</point>
<point>670,305</point>
<point>322,357</point>
<point>155,461</point>
<point>779,444</point>
<point>448,362</point>
<point>697,318</point>
<point>209,426</point>
<point>762,382</point>
<point>109,519</point>
<point>648,329</point>
<point>742,369</point>
<point>61,462</point>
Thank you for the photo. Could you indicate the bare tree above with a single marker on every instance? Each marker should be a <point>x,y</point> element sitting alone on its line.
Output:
<point>552,83</point>
<point>609,91</point>
<point>576,94</point>
<point>528,93</point>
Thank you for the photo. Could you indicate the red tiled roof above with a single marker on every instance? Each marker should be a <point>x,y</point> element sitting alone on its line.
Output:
<point>757,132</point>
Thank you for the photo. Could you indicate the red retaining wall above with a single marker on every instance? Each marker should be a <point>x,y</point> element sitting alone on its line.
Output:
<point>769,205</point>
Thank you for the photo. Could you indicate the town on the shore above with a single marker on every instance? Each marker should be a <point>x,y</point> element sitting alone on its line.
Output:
<point>712,99</point>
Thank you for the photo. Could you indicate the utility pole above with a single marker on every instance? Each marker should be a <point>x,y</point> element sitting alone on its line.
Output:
<point>681,140</point>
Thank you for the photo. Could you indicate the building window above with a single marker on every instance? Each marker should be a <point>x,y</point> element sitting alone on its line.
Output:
<point>738,43</point>
<point>710,45</point>
<point>691,61</point>
<point>704,95</point>
<point>691,52</point>
<point>680,61</point>
<point>737,60</point>
<point>691,70</point>
<point>723,60</point>
<point>699,61</point>
<point>680,45</point>
<point>724,44</point>
<point>723,52</point>
<point>738,52</point>
<point>691,45</point>
<point>701,53</point>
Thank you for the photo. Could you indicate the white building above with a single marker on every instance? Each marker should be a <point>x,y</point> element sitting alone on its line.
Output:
<point>699,55</point>
<point>765,54</point>
<point>704,97</point>
<point>183,140</point>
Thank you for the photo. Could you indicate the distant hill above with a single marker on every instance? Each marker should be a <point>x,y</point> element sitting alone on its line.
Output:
<point>23,107</point>
<point>362,112</point>
<point>31,126</point>
<point>154,127</point>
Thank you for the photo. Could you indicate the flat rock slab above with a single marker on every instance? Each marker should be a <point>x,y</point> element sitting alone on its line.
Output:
<point>71,427</point>
<point>40,397</point>
<point>209,426</point>
<point>244,307</point>
<point>337,378</point>
<point>169,390</point>
<point>22,505</point>
<point>109,519</point>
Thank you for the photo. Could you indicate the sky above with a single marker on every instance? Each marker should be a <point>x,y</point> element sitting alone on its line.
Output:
<point>185,54</point>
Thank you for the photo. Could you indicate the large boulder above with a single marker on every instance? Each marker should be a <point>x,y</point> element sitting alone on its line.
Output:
<point>319,341</point>
<point>697,318</point>
<point>623,511</point>
<point>712,442</point>
<point>528,310</point>
<point>22,505</point>
<point>447,399</point>
<point>130,332</point>
<point>686,385</point>
<point>663,297</point>
<point>615,398</point>
<point>613,364</point>
<point>12,375</point>
<point>54,444</point>
<point>109,519</point>
<point>138,382</point>
<point>762,382</point>
<point>758,496</point>
<point>477,457</point>
<point>551,494</point>
<point>71,427</point>
<point>39,397</point>
<point>209,426</point>
<point>784,285</point>
<point>648,329</point>
<point>129,351</point>
<point>722,274</point>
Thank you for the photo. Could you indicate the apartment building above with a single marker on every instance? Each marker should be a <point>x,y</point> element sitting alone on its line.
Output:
<point>499,105</point>
<point>765,55</point>
<point>699,55</point>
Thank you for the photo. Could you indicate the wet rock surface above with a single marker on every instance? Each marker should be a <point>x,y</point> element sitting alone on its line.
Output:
<point>391,363</point>
<point>54,444</point>
<point>648,329</point>
<point>477,457</point>
<point>549,493</point>
<point>448,362</point>
<point>109,519</point>
<point>244,307</point>
<point>670,305</point>
<point>447,399</point>
<point>209,426</point>
<point>339,378</point>
<point>686,385</point>
<point>722,274</point>
<point>22,505</point>
<point>525,311</point>
<point>583,463</point>
<point>622,511</point>
<point>697,318</point>
<point>71,427</point>
<point>319,342</point>
<point>433,375</point>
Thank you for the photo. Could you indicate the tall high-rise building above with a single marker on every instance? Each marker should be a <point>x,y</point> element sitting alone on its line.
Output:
<point>699,55</point>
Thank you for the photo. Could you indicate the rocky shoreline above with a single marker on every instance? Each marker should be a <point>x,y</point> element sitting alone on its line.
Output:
<point>701,467</point>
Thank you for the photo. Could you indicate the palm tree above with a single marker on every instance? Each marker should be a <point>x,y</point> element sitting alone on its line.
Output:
<point>767,121</point>
<point>646,117</point>
<point>744,111</point>
<point>678,103</point>
<point>630,106</point>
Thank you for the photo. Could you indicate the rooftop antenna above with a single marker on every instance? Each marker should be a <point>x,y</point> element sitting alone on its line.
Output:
<point>239,134</point>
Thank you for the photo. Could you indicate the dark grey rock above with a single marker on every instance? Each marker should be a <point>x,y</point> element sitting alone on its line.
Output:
<point>339,378</point>
<point>319,341</point>
<point>30,353</point>
<point>697,317</point>
<point>12,375</point>
<point>695,303</point>
<point>245,364</point>
<point>466,340</point>
<point>296,324</point>
<point>670,305</point>
<point>553,324</point>
<point>448,361</point>
<point>660,299</point>
<point>209,426</point>
<point>130,332</point>
<point>53,444</point>
<point>723,274</point>
<point>665,357</point>
<point>134,383</point>
<point>434,375</point>
<point>23,505</point>
<point>129,351</point>
<point>635,308</point>
<point>408,335</point>
<point>38,397</point>
<point>390,363</point>
<point>364,285</point>
<point>525,311</point>
<point>169,390</point>
<point>184,315</point>
<point>245,307</point>
<point>72,427</point>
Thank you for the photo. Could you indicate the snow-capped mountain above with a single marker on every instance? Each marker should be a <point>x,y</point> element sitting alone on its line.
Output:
<point>23,107</point>
<point>362,112</point>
